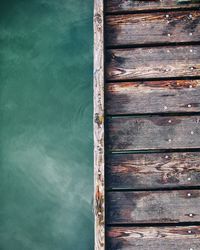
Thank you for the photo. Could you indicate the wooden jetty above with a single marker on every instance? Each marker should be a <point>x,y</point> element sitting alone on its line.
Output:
<point>147,125</point>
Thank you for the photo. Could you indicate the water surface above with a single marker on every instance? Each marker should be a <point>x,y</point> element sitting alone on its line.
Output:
<point>46,178</point>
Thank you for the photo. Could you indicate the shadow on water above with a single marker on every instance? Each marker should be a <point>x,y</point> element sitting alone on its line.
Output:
<point>46,178</point>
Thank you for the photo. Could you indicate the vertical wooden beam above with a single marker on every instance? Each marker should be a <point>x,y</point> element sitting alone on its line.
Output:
<point>99,193</point>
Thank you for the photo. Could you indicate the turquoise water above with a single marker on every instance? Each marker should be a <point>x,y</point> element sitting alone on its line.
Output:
<point>46,149</point>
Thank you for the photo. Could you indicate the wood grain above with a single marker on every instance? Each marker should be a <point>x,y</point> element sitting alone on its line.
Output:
<point>141,133</point>
<point>143,97</point>
<point>156,170</point>
<point>153,207</point>
<point>151,238</point>
<point>155,62</point>
<point>99,195</point>
<point>153,28</point>
<point>113,6</point>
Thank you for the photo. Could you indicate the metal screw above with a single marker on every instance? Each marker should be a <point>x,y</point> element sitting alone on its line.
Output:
<point>99,213</point>
<point>168,34</point>
<point>190,86</point>
<point>192,132</point>
<point>170,121</point>
<point>190,16</point>
<point>170,140</point>
<point>191,50</point>
<point>189,178</point>
<point>166,157</point>
<point>189,105</point>
<point>165,107</point>
<point>168,51</point>
<point>189,194</point>
<point>167,70</point>
<point>189,231</point>
<point>191,34</point>
<point>167,15</point>
<point>191,249</point>
<point>191,215</point>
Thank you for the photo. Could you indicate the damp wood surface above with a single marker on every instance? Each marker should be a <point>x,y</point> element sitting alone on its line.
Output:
<point>153,62</point>
<point>151,171</point>
<point>113,6</point>
<point>153,207</point>
<point>156,132</point>
<point>143,97</point>
<point>151,238</point>
<point>147,28</point>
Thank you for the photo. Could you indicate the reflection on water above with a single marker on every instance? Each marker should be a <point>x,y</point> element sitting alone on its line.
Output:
<point>46,125</point>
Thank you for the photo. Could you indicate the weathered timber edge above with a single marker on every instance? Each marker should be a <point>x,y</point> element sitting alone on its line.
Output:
<point>99,193</point>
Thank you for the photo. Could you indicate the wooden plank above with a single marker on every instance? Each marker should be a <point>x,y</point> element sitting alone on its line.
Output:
<point>141,133</point>
<point>156,170</point>
<point>159,62</point>
<point>153,207</point>
<point>153,28</point>
<point>113,6</point>
<point>143,97</point>
<point>151,238</point>
<point>99,195</point>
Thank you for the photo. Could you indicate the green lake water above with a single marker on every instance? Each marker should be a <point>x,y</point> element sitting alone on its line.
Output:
<point>46,142</point>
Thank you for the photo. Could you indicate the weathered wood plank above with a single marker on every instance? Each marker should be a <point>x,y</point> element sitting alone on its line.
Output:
<point>99,195</point>
<point>156,170</point>
<point>153,207</point>
<point>130,5</point>
<point>159,62</point>
<point>151,238</point>
<point>141,133</point>
<point>146,97</point>
<point>154,28</point>
<point>152,97</point>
